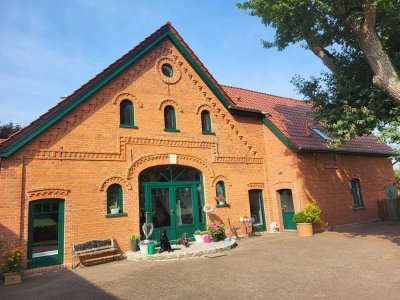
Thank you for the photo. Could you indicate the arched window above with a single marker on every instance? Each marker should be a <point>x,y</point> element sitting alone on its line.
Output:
<point>220,189</point>
<point>205,122</point>
<point>169,118</point>
<point>355,188</point>
<point>126,114</point>
<point>114,199</point>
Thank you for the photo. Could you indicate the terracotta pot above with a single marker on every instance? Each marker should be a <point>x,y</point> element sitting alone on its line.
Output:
<point>304,229</point>
<point>12,278</point>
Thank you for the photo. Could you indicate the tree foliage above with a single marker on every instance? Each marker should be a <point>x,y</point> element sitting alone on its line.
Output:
<point>8,129</point>
<point>359,42</point>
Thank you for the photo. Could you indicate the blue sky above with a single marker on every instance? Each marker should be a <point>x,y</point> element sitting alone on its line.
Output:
<point>50,48</point>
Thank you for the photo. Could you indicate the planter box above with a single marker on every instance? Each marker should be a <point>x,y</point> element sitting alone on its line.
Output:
<point>12,278</point>
<point>305,229</point>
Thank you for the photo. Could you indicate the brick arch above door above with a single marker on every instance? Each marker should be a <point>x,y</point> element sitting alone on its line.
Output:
<point>150,160</point>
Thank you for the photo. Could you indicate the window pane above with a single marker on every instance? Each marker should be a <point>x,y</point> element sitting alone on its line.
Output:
<point>205,121</point>
<point>45,231</point>
<point>114,197</point>
<point>287,201</point>
<point>126,112</point>
<point>220,189</point>
<point>184,209</point>
<point>161,209</point>
<point>169,116</point>
<point>200,201</point>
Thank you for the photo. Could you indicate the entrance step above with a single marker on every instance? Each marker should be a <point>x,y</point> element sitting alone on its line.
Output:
<point>180,252</point>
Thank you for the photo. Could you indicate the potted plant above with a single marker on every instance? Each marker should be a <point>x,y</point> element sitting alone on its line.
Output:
<point>216,231</point>
<point>13,266</point>
<point>199,235</point>
<point>114,209</point>
<point>220,200</point>
<point>134,241</point>
<point>306,218</point>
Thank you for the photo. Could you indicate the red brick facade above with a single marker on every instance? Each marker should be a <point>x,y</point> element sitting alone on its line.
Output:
<point>86,151</point>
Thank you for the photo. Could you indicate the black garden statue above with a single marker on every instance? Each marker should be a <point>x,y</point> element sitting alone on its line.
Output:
<point>164,242</point>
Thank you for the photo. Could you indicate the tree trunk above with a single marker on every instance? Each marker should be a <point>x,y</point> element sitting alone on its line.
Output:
<point>385,77</point>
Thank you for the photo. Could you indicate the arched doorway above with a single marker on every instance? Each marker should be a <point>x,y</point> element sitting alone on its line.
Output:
<point>171,197</point>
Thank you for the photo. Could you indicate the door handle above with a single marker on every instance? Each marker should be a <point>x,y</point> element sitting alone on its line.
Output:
<point>171,212</point>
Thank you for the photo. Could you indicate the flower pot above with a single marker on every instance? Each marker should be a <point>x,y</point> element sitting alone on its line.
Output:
<point>198,238</point>
<point>215,239</point>
<point>206,239</point>
<point>304,229</point>
<point>143,249</point>
<point>135,245</point>
<point>12,278</point>
<point>114,211</point>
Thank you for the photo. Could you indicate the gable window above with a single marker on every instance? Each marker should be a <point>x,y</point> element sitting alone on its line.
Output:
<point>167,70</point>
<point>126,114</point>
<point>355,188</point>
<point>169,118</point>
<point>205,122</point>
<point>114,199</point>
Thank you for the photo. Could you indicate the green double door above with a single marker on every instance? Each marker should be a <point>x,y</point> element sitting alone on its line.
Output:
<point>174,206</point>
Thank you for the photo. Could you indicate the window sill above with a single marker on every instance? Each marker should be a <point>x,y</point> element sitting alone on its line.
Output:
<point>358,208</point>
<point>208,132</point>
<point>128,126</point>
<point>222,205</point>
<point>116,215</point>
<point>171,130</point>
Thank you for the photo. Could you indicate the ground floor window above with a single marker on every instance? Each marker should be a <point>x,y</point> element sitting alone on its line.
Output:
<point>356,193</point>
<point>45,232</point>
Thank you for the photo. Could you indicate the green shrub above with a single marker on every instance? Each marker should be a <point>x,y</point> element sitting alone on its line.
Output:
<point>312,212</point>
<point>309,215</point>
<point>300,218</point>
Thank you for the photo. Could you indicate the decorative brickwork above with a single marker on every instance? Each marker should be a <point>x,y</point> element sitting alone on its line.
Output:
<point>166,102</point>
<point>221,178</point>
<point>147,161</point>
<point>43,193</point>
<point>115,179</point>
<point>255,186</point>
<point>127,96</point>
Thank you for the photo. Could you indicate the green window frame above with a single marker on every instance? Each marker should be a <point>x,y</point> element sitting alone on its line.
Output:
<point>46,260</point>
<point>206,122</point>
<point>355,188</point>
<point>220,189</point>
<point>115,196</point>
<point>126,113</point>
<point>169,118</point>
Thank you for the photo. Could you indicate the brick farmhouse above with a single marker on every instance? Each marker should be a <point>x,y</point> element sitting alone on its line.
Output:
<point>155,136</point>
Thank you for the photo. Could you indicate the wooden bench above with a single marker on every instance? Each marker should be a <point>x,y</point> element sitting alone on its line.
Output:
<point>93,247</point>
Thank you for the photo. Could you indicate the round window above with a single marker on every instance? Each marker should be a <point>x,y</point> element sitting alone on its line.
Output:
<point>167,70</point>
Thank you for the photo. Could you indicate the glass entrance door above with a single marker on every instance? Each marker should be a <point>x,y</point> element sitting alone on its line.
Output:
<point>173,207</point>
<point>257,210</point>
<point>45,233</point>
<point>172,198</point>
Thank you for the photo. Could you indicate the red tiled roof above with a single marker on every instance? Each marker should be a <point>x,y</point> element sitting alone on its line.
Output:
<point>290,117</point>
<point>2,140</point>
<point>287,115</point>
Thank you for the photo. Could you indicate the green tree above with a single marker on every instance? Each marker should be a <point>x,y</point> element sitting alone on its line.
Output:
<point>8,129</point>
<point>359,43</point>
<point>397,176</point>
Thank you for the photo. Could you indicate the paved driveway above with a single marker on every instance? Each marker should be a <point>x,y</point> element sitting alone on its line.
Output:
<point>357,263</point>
